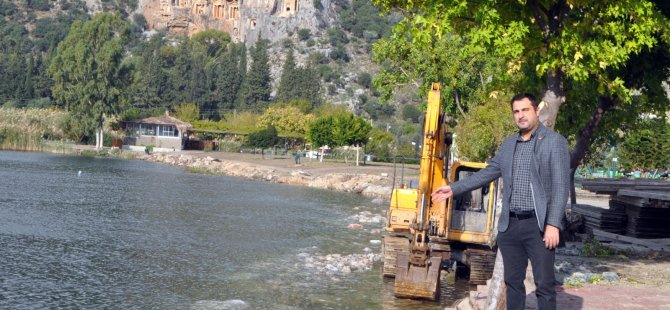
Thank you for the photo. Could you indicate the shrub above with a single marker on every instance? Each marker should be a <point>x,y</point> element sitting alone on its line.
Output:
<point>304,34</point>
<point>365,79</point>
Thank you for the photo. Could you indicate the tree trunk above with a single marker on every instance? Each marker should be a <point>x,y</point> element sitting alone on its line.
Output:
<point>585,134</point>
<point>584,139</point>
<point>573,192</point>
<point>98,134</point>
<point>358,149</point>
<point>496,299</point>
<point>552,98</point>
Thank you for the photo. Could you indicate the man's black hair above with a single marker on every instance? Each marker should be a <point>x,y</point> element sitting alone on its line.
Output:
<point>521,96</point>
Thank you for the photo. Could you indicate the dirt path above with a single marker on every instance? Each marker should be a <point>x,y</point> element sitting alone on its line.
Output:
<point>313,166</point>
<point>371,179</point>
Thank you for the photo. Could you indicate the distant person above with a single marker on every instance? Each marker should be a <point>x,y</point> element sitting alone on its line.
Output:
<point>665,174</point>
<point>535,166</point>
<point>296,157</point>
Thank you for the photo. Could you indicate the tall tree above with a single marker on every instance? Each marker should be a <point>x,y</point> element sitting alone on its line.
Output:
<point>595,43</point>
<point>299,83</point>
<point>230,77</point>
<point>288,81</point>
<point>349,129</point>
<point>562,39</point>
<point>87,69</point>
<point>256,88</point>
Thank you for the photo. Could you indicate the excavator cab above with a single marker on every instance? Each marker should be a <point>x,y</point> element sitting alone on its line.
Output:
<point>472,213</point>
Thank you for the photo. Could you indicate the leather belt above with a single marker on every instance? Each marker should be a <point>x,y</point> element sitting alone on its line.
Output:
<point>522,215</point>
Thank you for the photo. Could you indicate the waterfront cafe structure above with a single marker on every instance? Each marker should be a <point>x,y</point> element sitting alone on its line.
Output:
<point>164,133</point>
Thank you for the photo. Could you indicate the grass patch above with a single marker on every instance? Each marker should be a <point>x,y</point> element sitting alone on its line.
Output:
<point>27,129</point>
<point>199,170</point>
<point>88,153</point>
<point>593,248</point>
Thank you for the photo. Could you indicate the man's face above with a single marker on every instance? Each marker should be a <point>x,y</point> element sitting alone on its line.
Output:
<point>526,116</point>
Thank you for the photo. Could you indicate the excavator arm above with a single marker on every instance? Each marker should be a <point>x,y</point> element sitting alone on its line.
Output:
<point>418,273</point>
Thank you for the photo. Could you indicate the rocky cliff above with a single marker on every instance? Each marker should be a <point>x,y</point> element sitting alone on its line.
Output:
<point>244,20</point>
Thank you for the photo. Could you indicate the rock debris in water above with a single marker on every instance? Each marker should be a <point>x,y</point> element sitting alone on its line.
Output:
<point>338,264</point>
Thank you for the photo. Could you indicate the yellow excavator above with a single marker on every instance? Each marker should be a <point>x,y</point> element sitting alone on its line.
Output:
<point>424,238</point>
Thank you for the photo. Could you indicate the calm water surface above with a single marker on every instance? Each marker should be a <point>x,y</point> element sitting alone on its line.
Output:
<point>82,232</point>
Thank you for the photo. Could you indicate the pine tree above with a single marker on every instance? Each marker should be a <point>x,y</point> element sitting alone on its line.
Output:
<point>288,82</point>
<point>256,87</point>
<point>229,78</point>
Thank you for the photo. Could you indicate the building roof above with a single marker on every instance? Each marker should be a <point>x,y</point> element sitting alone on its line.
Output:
<point>164,120</point>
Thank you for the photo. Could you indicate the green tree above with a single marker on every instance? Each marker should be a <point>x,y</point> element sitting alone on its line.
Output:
<point>381,144</point>
<point>187,112</point>
<point>151,83</point>
<point>256,88</point>
<point>211,42</point>
<point>299,83</point>
<point>482,130</point>
<point>288,81</point>
<point>230,77</point>
<point>87,69</point>
<point>288,120</point>
<point>594,47</point>
<point>264,138</point>
<point>321,132</point>
<point>580,40</point>
<point>647,147</point>
<point>411,112</point>
<point>349,129</point>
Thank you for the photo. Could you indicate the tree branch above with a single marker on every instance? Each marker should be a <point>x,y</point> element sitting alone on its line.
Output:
<point>585,135</point>
<point>538,11</point>
<point>457,99</point>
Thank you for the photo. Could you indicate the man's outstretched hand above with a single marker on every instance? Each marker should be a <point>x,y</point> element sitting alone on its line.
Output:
<point>441,194</point>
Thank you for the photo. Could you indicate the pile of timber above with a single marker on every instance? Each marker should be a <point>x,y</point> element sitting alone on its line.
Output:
<point>631,243</point>
<point>612,186</point>
<point>648,213</point>
<point>610,220</point>
<point>645,203</point>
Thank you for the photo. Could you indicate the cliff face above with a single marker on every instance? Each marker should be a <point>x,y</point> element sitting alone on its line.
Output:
<point>244,20</point>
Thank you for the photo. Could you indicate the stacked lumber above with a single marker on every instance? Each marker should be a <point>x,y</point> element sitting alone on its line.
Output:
<point>612,186</point>
<point>610,220</point>
<point>648,212</point>
<point>631,243</point>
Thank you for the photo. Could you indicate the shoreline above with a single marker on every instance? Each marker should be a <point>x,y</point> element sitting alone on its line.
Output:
<point>371,180</point>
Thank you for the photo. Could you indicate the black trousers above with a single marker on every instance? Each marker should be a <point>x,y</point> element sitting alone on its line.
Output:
<point>520,242</point>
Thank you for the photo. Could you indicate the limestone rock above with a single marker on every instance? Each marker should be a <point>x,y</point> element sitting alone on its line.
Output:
<point>243,20</point>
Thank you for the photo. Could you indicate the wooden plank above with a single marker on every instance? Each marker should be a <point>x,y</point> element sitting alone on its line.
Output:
<point>614,237</point>
<point>644,194</point>
<point>628,247</point>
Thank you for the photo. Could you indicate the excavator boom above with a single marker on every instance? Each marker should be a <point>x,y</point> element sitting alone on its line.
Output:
<point>418,274</point>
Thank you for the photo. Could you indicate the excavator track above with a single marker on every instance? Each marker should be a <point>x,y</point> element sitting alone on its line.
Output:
<point>391,246</point>
<point>481,265</point>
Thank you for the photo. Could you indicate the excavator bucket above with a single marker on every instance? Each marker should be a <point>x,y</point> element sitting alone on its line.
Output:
<point>419,282</point>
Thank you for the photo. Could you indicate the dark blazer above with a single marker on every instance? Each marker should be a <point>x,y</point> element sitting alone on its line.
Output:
<point>550,179</point>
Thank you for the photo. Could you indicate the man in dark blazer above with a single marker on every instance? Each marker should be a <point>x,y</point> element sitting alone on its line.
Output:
<point>535,166</point>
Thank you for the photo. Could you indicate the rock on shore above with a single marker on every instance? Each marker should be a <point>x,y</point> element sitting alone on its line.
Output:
<point>365,184</point>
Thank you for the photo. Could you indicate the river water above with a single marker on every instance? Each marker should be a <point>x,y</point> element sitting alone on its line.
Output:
<point>84,232</point>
